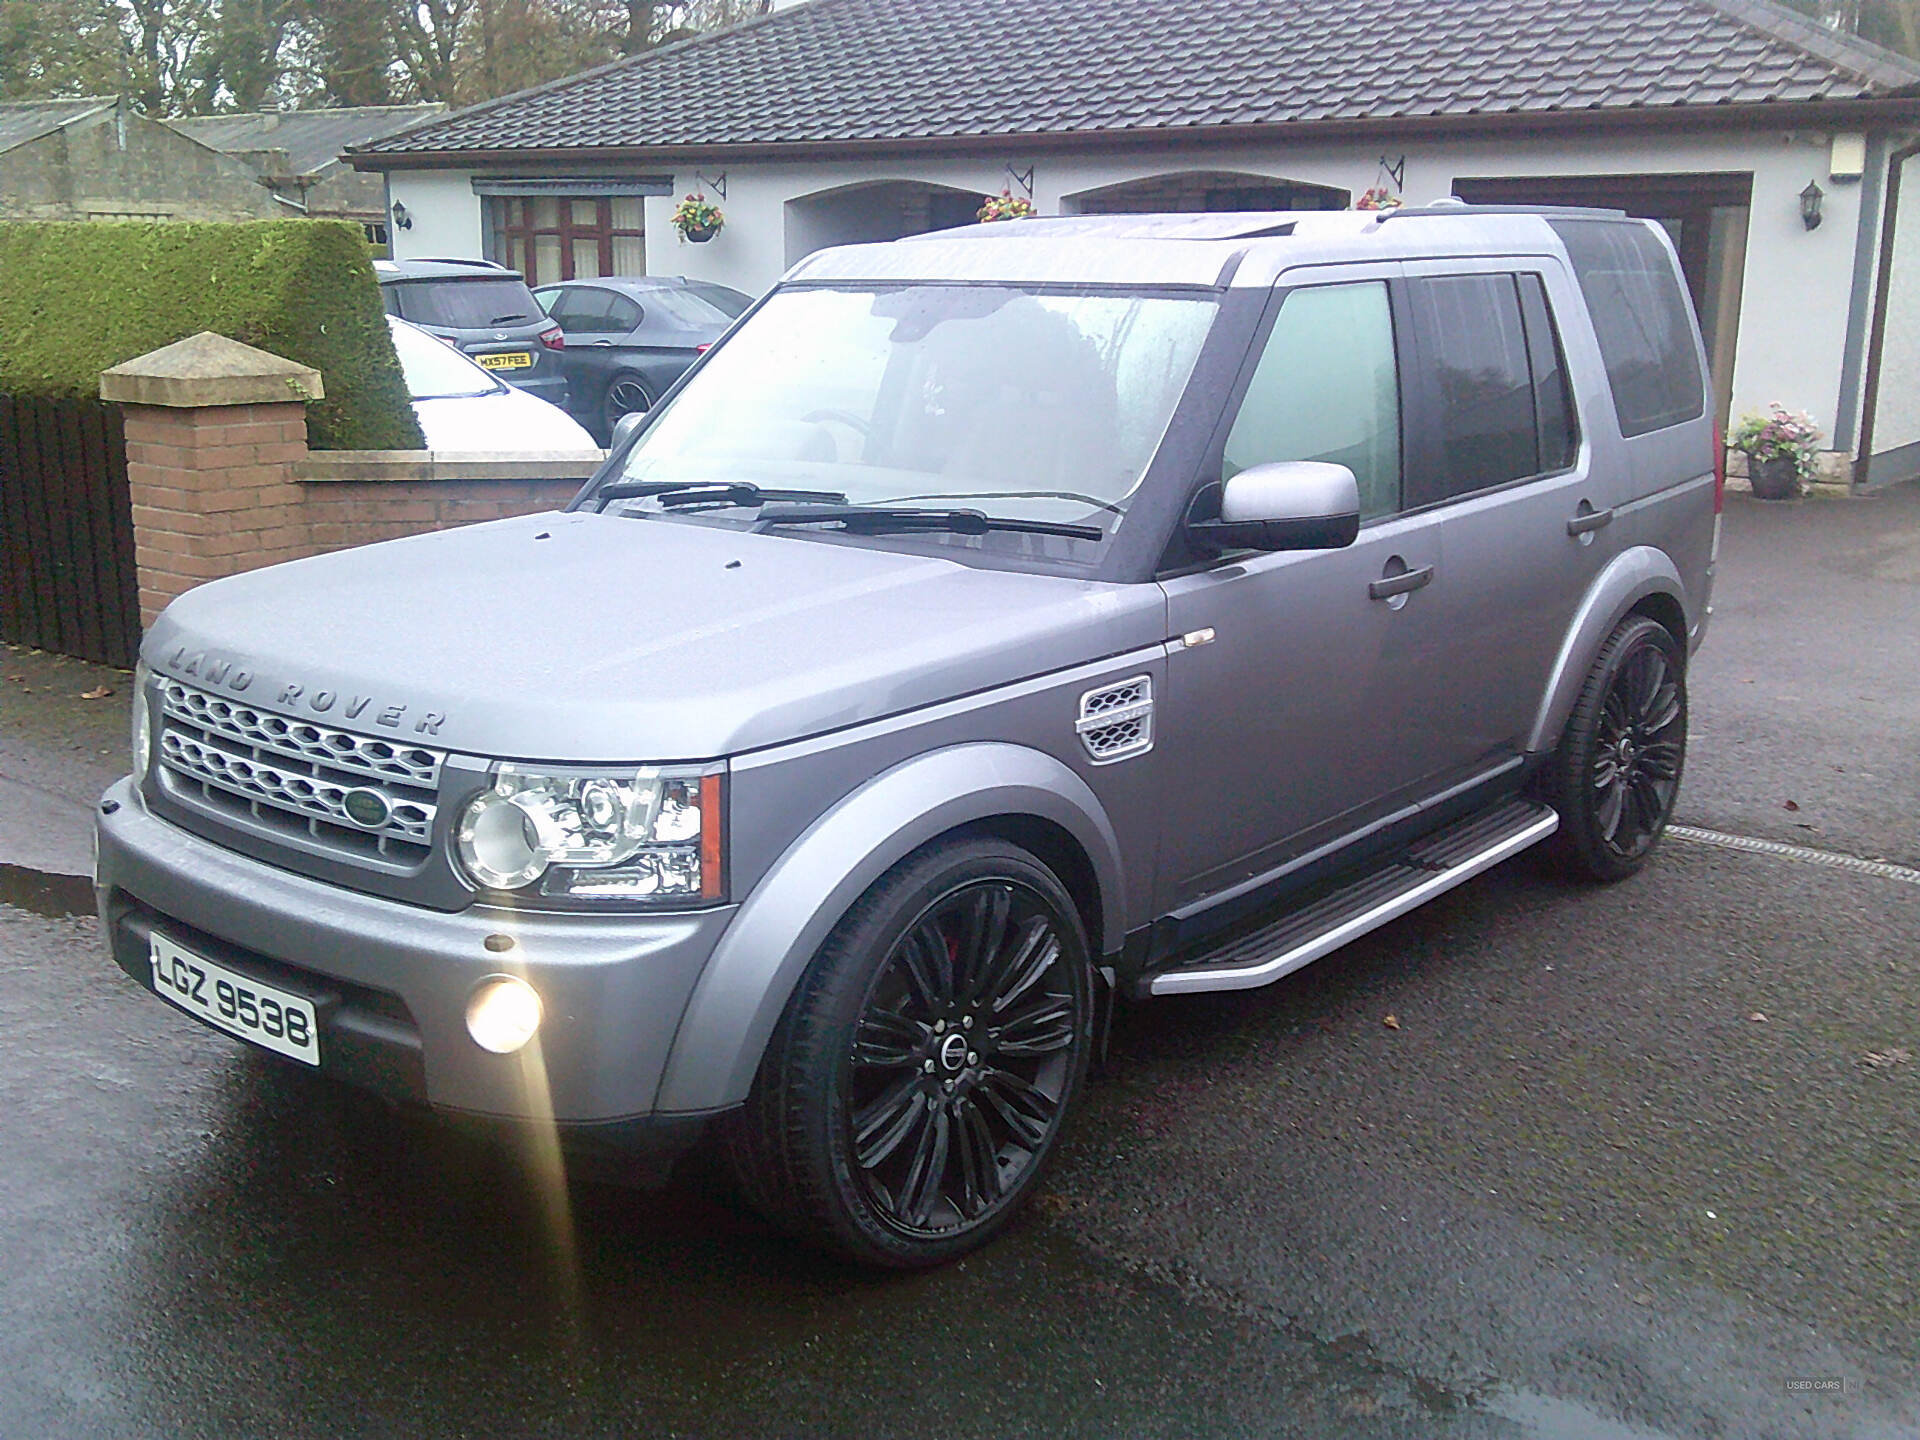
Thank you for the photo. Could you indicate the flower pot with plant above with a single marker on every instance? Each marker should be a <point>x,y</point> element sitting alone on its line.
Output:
<point>697,219</point>
<point>1006,206</point>
<point>1378,198</point>
<point>1779,447</point>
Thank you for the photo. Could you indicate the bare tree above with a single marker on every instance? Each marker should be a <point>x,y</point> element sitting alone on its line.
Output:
<point>186,57</point>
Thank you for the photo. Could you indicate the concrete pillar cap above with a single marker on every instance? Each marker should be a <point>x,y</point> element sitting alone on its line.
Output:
<point>209,369</point>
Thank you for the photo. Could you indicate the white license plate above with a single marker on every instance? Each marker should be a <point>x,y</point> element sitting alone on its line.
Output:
<point>237,1004</point>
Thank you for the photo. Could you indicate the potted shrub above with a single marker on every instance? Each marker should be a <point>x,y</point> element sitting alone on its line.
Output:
<point>697,219</point>
<point>1779,447</point>
<point>1006,206</point>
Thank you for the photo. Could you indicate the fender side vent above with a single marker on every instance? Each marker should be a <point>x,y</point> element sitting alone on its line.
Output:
<point>1116,721</point>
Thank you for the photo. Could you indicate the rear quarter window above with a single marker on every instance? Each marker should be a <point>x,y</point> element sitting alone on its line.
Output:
<point>1642,319</point>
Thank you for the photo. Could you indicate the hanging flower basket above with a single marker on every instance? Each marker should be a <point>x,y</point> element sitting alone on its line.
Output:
<point>698,219</point>
<point>1006,206</point>
<point>1378,198</point>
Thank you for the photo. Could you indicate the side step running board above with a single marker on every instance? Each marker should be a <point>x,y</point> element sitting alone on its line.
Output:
<point>1436,864</point>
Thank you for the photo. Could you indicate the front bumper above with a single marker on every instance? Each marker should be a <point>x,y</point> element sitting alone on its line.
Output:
<point>391,981</point>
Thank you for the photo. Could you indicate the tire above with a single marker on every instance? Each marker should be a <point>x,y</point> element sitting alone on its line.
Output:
<point>1618,768</point>
<point>915,1088</point>
<point>627,394</point>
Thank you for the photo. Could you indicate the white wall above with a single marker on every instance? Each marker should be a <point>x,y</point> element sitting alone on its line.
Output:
<point>445,214</point>
<point>1796,286</point>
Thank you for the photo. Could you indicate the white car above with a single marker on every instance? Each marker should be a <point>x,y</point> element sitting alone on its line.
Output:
<point>462,407</point>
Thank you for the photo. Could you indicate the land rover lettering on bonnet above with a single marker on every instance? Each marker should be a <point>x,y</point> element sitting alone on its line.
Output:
<point>990,627</point>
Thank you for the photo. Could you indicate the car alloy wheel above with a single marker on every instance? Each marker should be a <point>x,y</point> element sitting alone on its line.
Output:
<point>917,1082</point>
<point>961,1059</point>
<point>626,396</point>
<point>1636,756</point>
<point>1618,770</point>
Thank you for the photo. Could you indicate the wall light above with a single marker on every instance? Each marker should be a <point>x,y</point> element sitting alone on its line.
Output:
<point>404,221</point>
<point>1810,199</point>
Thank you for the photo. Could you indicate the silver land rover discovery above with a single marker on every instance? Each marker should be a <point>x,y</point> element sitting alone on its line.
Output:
<point>992,625</point>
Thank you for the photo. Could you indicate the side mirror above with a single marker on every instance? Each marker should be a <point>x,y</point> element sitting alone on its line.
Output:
<point>1285,505</point>
<point>625,426</point>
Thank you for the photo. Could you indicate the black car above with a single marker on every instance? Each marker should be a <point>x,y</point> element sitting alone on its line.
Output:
<point>628,339</point>
<point>485,310</point>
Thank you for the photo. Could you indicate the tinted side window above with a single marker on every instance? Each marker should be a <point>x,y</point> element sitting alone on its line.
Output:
<point>583,309</point>
<point>1473,344</point>
<point>1327,388</point>
<point>622,314</point>
<point>1559,421</point>
<point>1641,317</point>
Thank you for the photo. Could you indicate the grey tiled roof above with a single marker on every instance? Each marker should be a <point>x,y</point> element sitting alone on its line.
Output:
<point>27,120</point>
<point>903,70</point>
<point>311,139</point>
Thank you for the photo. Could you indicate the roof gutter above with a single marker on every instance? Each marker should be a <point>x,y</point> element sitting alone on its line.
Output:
<point>1776,114</point>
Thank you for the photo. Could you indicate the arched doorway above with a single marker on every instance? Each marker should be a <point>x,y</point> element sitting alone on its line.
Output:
<point>874,210</point>
<point>1193,191</point>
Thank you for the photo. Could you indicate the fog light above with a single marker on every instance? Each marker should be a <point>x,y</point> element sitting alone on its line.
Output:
<point>503,1014</point>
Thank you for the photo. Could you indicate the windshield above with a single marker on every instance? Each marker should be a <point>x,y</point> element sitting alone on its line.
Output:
<point>1022,404</point>
<point>435,371</point>
<point>467,304</point>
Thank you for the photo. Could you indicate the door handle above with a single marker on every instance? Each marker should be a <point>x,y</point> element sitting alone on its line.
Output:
<point>1589,521</point>
<point>607,343</point>
<point>1387,586</point>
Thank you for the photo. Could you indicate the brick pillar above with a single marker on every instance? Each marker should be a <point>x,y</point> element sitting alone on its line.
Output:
<point>214,431</point>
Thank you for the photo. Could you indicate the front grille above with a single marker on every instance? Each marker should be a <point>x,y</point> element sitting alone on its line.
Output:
<point>1116,721</point>
<point>300,778</point>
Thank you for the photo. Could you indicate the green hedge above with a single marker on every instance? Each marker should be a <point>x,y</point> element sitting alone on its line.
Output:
<point>76,298</point>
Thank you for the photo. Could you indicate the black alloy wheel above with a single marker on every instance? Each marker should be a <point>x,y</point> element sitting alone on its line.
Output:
<point>918,1081</point>
<point>960,1059</point>
<point>1619,766</point>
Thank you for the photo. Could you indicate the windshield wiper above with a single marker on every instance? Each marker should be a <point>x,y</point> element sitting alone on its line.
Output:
<point>743,493</point>
<point>875,519</point>
<point>1093,500</point>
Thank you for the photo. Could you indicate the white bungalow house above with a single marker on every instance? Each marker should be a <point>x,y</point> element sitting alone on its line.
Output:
<point>1771,148</point>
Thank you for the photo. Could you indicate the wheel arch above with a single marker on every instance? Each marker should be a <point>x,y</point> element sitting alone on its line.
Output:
<point>1661,606</point>
<point>1019,794</point>
<point>1641,580</point>
<point>1060,851</point>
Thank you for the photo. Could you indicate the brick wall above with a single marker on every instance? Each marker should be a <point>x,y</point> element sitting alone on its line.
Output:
<point>218,490</point>
<point>340,513</point>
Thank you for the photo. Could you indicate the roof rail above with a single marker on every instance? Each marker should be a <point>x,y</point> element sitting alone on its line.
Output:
<point>1442,209</point>
<point>458,260</point>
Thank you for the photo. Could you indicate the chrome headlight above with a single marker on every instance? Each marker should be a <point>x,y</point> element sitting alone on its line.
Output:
<point>641,836</point>
<point>142,724</point>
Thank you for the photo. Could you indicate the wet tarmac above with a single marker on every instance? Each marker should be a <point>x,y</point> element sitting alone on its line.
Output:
<point>202,1242</point>
<point>1576,1190</point>
<point>39,892</point>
